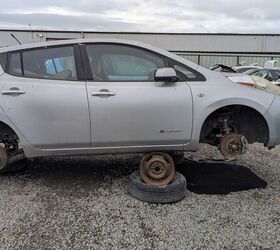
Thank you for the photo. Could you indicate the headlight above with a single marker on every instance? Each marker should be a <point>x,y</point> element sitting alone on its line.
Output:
<point>244,80</point>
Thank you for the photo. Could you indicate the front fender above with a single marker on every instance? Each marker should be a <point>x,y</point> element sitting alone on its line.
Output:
<point>273,118</point>
<point>208,99</point>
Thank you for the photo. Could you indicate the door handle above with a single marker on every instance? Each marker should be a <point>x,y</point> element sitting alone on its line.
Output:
<point>103,93</point>
<point>13,91</point>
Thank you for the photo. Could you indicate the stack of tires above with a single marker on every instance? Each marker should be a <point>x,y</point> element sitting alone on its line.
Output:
<point>157,181</point>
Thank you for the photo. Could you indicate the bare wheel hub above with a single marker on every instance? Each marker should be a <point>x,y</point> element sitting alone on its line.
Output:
<point>3,158</point>
<point>157,169</point>
<point>232,145</point>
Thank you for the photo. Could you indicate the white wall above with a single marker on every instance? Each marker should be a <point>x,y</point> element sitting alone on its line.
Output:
<point>226,43</point>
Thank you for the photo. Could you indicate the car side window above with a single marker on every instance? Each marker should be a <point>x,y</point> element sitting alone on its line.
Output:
<point>51,63</point>
<point>186,73</point>
<point>44,63</point>
<point>122,63</point>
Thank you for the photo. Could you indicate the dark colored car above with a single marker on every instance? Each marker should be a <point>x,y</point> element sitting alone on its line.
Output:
<point>222,68</point>
<point>268,74</point>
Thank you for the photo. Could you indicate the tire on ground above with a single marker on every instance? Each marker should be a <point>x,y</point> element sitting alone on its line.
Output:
<point>173,192</point>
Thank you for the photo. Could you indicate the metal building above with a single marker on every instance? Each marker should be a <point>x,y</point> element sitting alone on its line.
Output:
<point>204,49</point>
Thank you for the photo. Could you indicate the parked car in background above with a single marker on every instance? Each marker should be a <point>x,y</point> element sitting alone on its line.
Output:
<point>242,69</point>
<point>271,75</point>
<point>99,96</point>
<point>222,68</point>
<point>277,83</point>
<point>271,64</point>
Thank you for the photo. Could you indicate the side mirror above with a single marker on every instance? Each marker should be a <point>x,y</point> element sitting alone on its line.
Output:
<point>166,75</point>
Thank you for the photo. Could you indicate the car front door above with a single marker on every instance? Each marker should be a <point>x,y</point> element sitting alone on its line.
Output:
<point>43,96</point>
<point>127,106</point>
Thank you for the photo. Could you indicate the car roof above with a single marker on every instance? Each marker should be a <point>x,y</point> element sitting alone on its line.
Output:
<point>80,41</point>
<point>247,66</point>
<point>102,40</point>
<point>269,69</point>
<point>75,41</point>
<point>251,71</point>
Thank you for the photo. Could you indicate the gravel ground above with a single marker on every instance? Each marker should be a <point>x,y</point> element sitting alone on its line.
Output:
<point>82,202</point>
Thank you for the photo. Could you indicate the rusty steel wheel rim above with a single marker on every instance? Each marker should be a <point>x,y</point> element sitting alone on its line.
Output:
<point>233,145</point>
<point>157,169</point>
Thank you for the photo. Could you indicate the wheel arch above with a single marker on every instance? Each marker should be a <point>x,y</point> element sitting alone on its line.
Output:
<point>5,127</point>
<point>249,119</point>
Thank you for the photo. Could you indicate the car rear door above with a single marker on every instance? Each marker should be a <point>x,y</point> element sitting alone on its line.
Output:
<point>129,108</point>
<point>43,96</point>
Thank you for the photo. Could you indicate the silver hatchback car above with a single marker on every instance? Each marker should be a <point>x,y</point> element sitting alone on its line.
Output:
<point>114,96</point>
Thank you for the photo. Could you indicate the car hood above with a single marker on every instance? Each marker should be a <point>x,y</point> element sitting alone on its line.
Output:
<point>261,83</point>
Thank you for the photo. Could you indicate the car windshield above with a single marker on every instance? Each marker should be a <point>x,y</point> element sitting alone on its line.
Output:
<point>275,74</point>
<point>251,71</point>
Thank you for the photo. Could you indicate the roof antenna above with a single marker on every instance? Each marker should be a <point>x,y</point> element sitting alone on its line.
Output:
<point>32,36</point>
<point>13,36</point>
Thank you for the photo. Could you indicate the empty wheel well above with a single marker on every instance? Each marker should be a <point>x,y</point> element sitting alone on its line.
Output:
<point>235,119</point>
<point>4,128</point>
<point>8,139</point>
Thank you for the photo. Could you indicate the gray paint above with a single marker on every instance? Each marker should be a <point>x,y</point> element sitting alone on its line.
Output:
<point>131,120</point>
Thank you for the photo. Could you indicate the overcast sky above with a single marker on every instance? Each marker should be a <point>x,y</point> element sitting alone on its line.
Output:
<point>246,16</point>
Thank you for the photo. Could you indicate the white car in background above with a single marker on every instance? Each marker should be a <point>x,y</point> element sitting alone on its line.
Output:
<point>271,64</point>
<point>242,69</point>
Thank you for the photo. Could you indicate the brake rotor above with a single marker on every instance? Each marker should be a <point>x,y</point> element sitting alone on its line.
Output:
<point>3,158</point>
<point>157,169</point>
<point>233,145</point>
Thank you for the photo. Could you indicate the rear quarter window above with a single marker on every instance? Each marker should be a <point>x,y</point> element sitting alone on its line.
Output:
<point>14,64</point>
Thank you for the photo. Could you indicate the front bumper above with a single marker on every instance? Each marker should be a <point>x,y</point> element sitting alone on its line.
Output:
<point>272,117</point>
